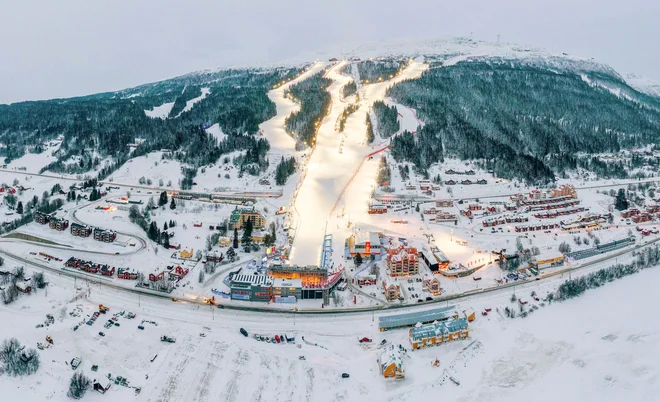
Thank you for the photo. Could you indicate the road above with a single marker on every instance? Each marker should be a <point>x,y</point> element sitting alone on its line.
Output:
<point>554,278</point>
<point>227,194</point>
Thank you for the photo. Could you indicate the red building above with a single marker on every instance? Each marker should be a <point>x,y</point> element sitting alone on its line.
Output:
<point>107,271</point>
<point>125,273</point>
<point>156,277</point>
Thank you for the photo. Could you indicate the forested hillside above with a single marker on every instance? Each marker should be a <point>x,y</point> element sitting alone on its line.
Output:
<point>108,122</point>
<point>314,104</point>
<point>387,118</point>
<point>525,120</point>
<point>377,70</point>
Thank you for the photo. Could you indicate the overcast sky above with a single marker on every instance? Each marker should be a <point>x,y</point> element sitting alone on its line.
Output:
<point>67,48</point>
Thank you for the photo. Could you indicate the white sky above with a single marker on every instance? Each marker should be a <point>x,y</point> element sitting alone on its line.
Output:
<point>77,47</point>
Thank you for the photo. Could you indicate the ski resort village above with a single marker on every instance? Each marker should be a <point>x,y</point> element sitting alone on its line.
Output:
<point>315,238</point>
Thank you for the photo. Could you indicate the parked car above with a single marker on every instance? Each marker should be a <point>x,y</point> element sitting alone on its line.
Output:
<point>140,326</point>
<point>101,333</point>
<point>344,375</point>
<point>277,338</point>
<point>244,332</point>
<point>365,340</point>
<point>429,298</point>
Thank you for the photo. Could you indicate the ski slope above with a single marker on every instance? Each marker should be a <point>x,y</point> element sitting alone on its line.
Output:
<point>332,175</point>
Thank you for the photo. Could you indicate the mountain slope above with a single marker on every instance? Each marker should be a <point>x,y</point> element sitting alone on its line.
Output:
<point>526,116</point>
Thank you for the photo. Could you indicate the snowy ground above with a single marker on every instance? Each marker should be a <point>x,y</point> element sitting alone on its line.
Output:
<point>580,344</point>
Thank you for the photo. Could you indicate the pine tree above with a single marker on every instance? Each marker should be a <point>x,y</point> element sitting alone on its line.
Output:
<point>165,226</point>
<point>19,208</point>
<point>163,199</point>
<point>247,233</point>
<point>358,260</point>
<point>172,204</point>
<point>78,385</point>
<point>621,202</point>
<point>235,243</point>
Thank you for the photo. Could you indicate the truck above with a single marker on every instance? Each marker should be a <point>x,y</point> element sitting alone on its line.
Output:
<point>167,339</point>
<point>75,362</point>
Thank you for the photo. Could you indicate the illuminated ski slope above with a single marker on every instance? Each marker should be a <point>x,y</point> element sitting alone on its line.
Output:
<point>331,172</point>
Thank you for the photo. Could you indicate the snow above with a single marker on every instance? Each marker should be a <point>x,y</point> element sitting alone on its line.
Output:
<point>643,84</point>
<point>160,112</point>
<point>216,132</point>
<point>322,188</point>
<point>150,166</point>
<point>34,162</point>
<point>191,103</point>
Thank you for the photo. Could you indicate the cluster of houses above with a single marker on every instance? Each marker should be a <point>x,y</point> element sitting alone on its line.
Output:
<point>460,172</point>
<point>589,221</point>
<point>107,236</point>
<point>172,273</point>
<point>532,227</point>
<point>52,221</point>
<point>465,182</point>
<point>638,216</point>
<point>504,220</point>
<point>553,195</point>
<point>90,266</point>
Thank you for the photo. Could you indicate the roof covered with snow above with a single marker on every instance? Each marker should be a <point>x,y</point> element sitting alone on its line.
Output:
<point>410,319</point>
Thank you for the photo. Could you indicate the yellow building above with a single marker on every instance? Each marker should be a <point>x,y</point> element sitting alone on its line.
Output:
<point>185,254</point>
<point>391,363</point>
<point>224,242</point>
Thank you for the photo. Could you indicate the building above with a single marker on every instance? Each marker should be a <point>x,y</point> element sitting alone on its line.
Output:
<point>107,236</point>
<point>549,259</point>
<point>444,203</point>
<point>239,216</point>
<point>402,261</point>
<point>80,230</point>
<point>316,281</point>
<point>259,236</point>
<point>287,288</point>
<point>365,278</point>
<point>251,287</point>
<point>386,323</point>
<point>41,218</point>
<point>377,209</point>
<point>392,290</point>
<point>564,191</point>
<point>185,254</point>
<point>364,243</point>
<point>126,273</point>
<point>432,285</point>
<point>24,286</point>
<point>438,333</point>
<point>391,362</point>
<point>58,224</point>
<point>107,270</point>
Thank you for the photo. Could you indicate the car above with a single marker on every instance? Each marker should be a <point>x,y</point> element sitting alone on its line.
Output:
<point>140,326</point>
<point>301,357</point>
<point>244,332</point>
<point>344,375</point>
<point>277,338</point>
<point>101,333</point>
<point>272,340</point>
<point>174,299</point>
<point>365,340</point>
<point>117,253</point>
<point>116,324</point>
<point>429,298</point>
<point>420,301</point>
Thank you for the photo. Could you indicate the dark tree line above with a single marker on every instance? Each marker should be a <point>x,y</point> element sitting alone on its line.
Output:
<point>378,70</point>
<point>348,110</point>
<point>387,119</point>
<point>370,130</point>
<point>349,89</point>
<point>314,105</point>
<point>284,169</point>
